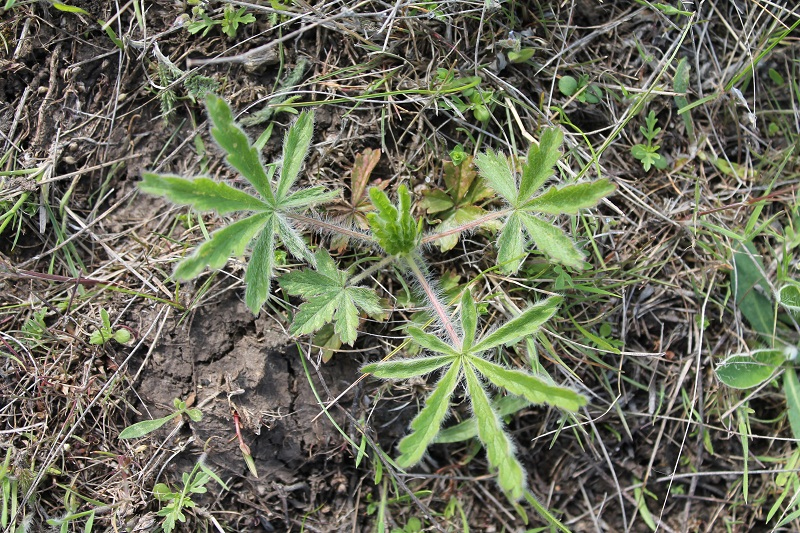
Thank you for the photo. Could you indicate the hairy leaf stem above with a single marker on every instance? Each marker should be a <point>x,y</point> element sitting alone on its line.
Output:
<point>386,261</point>
<point>488,217</point>
<point>437,305</point>
<point>329,226</point>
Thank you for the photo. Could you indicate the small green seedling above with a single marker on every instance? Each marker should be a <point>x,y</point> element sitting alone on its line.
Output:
<point>177,502</point>
<point>585,92</point>
<point>140,429</point>
<point>105,333</point>
<point>472,98</point>
<point>647,153</point>
<point>231,18</point>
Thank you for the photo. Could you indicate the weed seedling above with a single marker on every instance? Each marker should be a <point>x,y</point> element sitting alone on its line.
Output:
<point>105,333</point>
<point>140,429</point>
<point>647,153</point>
<point>177,502</point>
<point>457,347</point>
<point>585,92</point>
<point>231,18</point>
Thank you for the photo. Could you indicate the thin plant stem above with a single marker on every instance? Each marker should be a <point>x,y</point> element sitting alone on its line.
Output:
<point>437,305</point>
<point>488,217</point>
<point>355,280</point>
<point>329,226</point>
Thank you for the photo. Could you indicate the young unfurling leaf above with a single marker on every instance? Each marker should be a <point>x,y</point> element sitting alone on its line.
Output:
<point>394,227</point>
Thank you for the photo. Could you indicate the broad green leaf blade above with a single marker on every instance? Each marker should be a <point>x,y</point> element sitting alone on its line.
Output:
<point>791,387</point>
<point>527,323</point>
<point>366,300</point>
<point>241,154</point>
<point>427,423</point>
<point>533,388</point>
<point>744,371</point>
<point>346,319</point>
<point>789,295</point>
<point>431,342</point>
<point>511,245</point>
<point>201,193</point>
<point>306,198</point>
<point>225,242</point>
<point>295,149</point>
<point>553,242</point>
<point>407,368</point>
<point>258,277</point>
<point>499,448</point>
<point>571,198</point>
<point>469,319</point>
<point>750,290</point>
<point>314,314</point>
<point>293,241</point>
<point>540,162</point>
<point>504,406</point>
<point>140,429</point>
<point>435,201</point>
<point>496,170</point>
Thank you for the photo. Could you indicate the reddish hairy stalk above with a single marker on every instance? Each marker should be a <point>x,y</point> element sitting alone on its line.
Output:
<point>488,217</point>
<point>437,305</point>
<point>328,226</point>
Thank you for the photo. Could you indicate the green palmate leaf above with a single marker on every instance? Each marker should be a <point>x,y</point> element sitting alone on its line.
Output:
<point>744,371</point>
<point>571,198</point>
<point>431,342</point>
<point>201,193</point>
<point>499,448</point>
<point>427,423</point>
<point>224,243</point>
<point>469,319</point>
<point>295,148</point>
<point>527,323</point>
<point>259,270</point>
<point>553,242</point>
<point>408,368</point>
<point>511,245</point>
<point>394,228</point>
<point>496,169</point>
<point>540,162</point>
<point>241,154</point>
<point>329,299</point>
<point>140,429</point>
<point>532,388</point>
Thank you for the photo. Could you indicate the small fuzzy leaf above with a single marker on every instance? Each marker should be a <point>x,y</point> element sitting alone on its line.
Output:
<point>789,295</point>
<point>503,406</point>
<point>407,368</point>
<point>511,245</point>
<point>568,85</point>
<point>201,193</point>
<point>540,162</point>
<point>241,154</point>
<point>224,243</point>
<point>570,198</point>
<point>428,421</point>
<point>395,229</point>
<point>534,389</point>
<point>744,371</point>
<point>258,276</point>
<point>293,241</point>
<point>499,448</point>
<point>553,242</point>
<point>435,201</point>
<point>140,429</point>
<point>496,170</point>
<point>306,198</point>
<point>295,149</point>
<point>527,323</point>
<point>431,342</point>
<point>469,319</point>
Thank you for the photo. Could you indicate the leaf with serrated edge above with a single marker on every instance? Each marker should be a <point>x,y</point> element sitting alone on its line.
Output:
<point>496,170</point>
<point>469,319</point>
<point>314,314</point>
<point>499,448</point>
<point>293,241</point>
<point>259,269</point>
<point>431,342</point>
<point>553,242</point>
<point>571,198</point>
<point>407,368</point>
<point>428,421</point>
<point>511,245</point>
<point>201,193</point>
<point>295,149</point>
<point>241,154</point>
<point>527,323</point>
<point>540,162</point>
<point>224,243</point>
<point>534,389</point>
